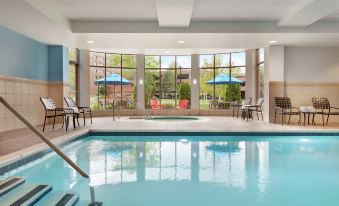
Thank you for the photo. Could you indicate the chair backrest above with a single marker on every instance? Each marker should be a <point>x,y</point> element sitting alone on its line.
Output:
<point>260,102</point>
<point>283,102</point>
<point>48,103</point>
<point>183,104</point>
<point>248,101</point>
<point>321,103</point>
<point>154,103</point>
<point>70,102</point>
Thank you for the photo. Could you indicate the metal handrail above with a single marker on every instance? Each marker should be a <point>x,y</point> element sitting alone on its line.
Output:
<point>51,145</point>
<point>148,116</point>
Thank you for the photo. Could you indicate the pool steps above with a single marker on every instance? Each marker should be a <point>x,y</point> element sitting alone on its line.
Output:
<point>9,184</point>
<point>15,192</point>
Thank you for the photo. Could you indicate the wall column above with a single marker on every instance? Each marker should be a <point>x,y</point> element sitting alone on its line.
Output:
<point>251,75</point>
<point>273,79</point>
<point>84,78</point>
<point>195,82</point>
<point>140,81</point>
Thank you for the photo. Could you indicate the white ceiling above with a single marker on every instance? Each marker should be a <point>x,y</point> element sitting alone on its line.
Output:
<point>205,25</point>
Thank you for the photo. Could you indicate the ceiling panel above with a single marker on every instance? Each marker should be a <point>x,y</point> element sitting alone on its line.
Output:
<point>229,10</point>
<point>134,10</point>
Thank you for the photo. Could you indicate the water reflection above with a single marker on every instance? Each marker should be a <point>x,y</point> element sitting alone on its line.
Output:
<point>267,171</point>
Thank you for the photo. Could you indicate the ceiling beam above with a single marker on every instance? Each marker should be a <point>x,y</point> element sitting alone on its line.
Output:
<point>174,13</point>
<point>309,12</point>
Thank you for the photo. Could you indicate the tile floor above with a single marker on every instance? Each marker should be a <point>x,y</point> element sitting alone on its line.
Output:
<point>18,140</point>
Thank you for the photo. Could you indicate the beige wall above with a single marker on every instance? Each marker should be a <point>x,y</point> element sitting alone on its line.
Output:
<point>24,95</point>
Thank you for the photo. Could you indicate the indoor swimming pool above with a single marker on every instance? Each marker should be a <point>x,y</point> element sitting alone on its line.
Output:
<point>204,170</point>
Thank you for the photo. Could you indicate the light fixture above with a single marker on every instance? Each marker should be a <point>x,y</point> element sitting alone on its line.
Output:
<point>181,41</point>
<point>273,41</point>
<point>195,81</point>
<point>167,52</point>
<point>90,42</point>
<point>141,81</point>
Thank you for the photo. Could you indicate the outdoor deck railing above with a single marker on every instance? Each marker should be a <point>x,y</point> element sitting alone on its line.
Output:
<point>53,147</point>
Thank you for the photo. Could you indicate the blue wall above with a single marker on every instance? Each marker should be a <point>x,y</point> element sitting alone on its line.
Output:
<point>57,63</point>
<point>21,56</point>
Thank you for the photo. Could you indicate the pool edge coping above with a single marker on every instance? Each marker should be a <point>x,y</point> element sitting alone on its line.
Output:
<point>19,158</point>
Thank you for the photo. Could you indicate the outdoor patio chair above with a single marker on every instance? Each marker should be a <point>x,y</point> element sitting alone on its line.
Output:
<point>237,105</point>
<point>51,111</point>
<point>155,104</point>
<point>183,104</point>
<point>81,110</point>
<point>254,108</point>
<point>323,107</point>
<point>283,107</point>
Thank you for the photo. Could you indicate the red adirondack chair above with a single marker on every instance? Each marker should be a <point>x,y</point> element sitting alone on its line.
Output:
<point>155,104</point>
<point>183,104</point>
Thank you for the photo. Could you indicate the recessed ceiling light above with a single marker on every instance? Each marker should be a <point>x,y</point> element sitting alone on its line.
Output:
<point>273,41</point>
<point>181,41</point>
<point>90,42</point>
<point>167,52</point>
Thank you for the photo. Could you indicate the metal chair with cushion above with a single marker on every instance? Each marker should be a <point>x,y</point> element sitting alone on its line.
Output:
<point>323,107</point>
<point>81,110</point>
<point>283,107</point>
<point>237,105</point>
<point>51,111</point>
<point>255,108</point>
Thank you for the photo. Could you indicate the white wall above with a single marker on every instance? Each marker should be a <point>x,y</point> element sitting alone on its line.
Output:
<point>304,64</point>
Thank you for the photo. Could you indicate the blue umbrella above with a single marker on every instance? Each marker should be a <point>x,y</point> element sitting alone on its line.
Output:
<point>225,79</point>
<point>113,79</point>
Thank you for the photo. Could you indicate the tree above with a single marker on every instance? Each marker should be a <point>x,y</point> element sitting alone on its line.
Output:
<point>184,91</point>
<point>150,86</point>
<point>233,92</point>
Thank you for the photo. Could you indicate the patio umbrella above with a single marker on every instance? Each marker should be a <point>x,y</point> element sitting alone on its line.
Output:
<point>225,79</point>
<point>113,79</point>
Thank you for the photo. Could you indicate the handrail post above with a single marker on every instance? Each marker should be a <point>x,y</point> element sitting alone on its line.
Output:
<point>45,139</point>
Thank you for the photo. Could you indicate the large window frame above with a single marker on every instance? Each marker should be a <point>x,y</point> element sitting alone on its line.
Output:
<point>260,65</point>
<point>215,67</point>
<point>106,67</point>
<point>75,63</point>
<point>177,70</point>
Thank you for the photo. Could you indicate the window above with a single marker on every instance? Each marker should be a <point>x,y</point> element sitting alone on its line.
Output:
<point>112,77</point>
<point>215,71</point>
<point>167,82</point>
<point>260,72</point>
<point>72,80</point>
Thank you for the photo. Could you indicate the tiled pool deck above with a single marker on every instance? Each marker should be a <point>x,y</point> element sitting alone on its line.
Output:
<point>17,143</point>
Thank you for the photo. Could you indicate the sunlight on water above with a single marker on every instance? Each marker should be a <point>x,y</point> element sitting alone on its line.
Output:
<point>197,171</point>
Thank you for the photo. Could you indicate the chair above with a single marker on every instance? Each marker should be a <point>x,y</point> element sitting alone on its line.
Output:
<point>237,105</point>
<point>283,106</point>
<point>256,108</point>
<point>155,104</point>
<point>324,105</point>
<point>81,110</point>
<point>51,111</point>
<point>183,104</point>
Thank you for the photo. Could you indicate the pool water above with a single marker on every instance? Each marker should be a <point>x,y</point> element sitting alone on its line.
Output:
<point>197,171</point>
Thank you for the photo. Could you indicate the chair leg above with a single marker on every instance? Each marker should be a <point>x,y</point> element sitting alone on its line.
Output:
<point>328,116</point>
<point>73,118</point>
<point>90,115</point>
<point>78,119</point>
<point>54,121</point>
<point>257,115</point>
<point>262,116</point>
<point>275,117</point>
<point>84,117</point>
<point>323,120</point>
<point>43,128</point>
<point>63,121</point>
<point>67,121</point>
<point>289,119</point>
<point>282,119</point>
<point>237,113</point>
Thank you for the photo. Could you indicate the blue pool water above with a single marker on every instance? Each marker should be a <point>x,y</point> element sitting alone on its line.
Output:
<point>197,171</point>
